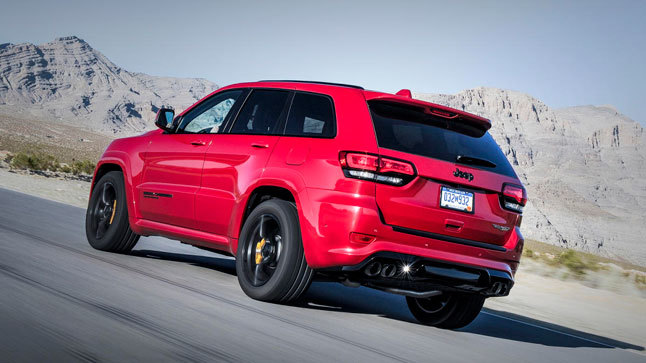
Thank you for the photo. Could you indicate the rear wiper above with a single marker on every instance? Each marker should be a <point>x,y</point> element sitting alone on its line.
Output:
<point>470,160</point>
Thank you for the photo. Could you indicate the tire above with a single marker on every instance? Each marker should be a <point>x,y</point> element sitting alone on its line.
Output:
<point>106,221</point>
<point>270,260</point>
<point>446,311</point>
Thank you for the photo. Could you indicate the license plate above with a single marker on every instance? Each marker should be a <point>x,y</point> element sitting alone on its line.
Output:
<point>456,199</point>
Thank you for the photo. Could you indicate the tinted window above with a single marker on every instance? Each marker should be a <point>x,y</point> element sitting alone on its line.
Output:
<point>311,115</point>
<point>209,116</point>
<point>261,113</point>
<point>410,130</point>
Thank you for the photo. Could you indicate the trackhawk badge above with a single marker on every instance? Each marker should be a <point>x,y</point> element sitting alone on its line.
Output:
<point>500,228</point>
<point>462,174</point>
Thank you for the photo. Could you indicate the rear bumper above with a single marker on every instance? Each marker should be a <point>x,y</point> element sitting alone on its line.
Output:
<point>418,275</point>
<point>332,216</point>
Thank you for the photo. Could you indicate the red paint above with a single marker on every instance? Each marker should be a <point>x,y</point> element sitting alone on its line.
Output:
<point>405,93</point>
<point>232,165</point>
<point>212,176</point>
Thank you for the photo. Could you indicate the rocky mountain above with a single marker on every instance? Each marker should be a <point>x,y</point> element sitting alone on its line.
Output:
<point>67,80</point>
<point>584,168</point>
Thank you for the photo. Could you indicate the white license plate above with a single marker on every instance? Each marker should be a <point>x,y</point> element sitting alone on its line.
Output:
<point>456,199</point>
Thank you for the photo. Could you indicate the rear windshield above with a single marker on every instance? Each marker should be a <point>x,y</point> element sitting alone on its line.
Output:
<point>408,129</point>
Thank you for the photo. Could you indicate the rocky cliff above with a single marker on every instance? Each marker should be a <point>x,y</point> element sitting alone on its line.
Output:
<point>584,168</point>
<point>68,80</point>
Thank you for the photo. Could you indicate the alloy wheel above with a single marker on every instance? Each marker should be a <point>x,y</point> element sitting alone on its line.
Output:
<point>262,250</point>
<point>104,210</point>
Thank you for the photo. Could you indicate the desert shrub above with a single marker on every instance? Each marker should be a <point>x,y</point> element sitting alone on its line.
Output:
<point>83,167</point>
<point>573,262</point>
<point>65,169</point>
<point>640,280</point>
<point>21,161</point>
<point>528,253</point>
<point>36,161</point>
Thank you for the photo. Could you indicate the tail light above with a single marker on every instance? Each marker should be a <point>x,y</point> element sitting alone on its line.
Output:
<point>376,168</point>
<point>514,197</point>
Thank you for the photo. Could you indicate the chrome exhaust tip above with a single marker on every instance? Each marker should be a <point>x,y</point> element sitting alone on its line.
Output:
<point>373,269</point>
<point>388,270</point>
<point>497,288</point>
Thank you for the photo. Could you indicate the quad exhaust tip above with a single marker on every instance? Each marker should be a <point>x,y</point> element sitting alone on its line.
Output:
<point>388,270</point>
<point>499,288</point>
<point>376,269</point>
<point>373,269</point>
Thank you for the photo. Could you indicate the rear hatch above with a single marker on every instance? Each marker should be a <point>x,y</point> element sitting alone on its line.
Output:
<point>461,173</point>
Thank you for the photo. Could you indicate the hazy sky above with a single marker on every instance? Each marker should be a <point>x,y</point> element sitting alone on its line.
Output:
<point>562,52</point>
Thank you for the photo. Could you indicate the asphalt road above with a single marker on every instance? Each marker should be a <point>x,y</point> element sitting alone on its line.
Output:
<point>60,300</point>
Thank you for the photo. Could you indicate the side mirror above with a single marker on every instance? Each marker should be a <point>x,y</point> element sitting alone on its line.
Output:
<point>164,119</point>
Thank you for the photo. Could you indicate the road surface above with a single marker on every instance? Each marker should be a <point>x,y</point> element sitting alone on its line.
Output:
<point>61,300</point>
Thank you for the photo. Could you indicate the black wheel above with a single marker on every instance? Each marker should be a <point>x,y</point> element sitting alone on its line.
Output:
<point>448,310</point>
<point>106,221</point>
<point>270,261</point>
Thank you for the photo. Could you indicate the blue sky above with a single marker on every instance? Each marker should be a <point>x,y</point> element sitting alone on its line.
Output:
<point>563,52</point>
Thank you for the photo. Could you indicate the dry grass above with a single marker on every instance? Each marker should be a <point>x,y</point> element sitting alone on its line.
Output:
<point>40,161</point>
<point>590,270</point>
<point>572,259</point>
<point>37,161</point>
<point>38,145</point>
<point>64,142</point>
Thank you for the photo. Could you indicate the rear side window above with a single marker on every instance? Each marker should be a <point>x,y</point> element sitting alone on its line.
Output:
<point>311,115</point>
<point>410,130</point>
<point>261,113</point>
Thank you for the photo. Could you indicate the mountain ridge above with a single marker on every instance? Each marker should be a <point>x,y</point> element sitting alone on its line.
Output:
<point>68,80</point>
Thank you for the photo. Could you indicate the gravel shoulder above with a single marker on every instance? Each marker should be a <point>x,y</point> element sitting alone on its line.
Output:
<point>608,316</point>
<point>68,191</point>
<point>596,311</point>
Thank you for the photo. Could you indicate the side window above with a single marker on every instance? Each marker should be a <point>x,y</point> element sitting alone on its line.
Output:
<point>311,115</point>
<point>208,117</point>
<point>261,113</point>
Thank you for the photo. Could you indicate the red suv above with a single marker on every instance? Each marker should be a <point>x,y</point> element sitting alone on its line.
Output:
<point>301,178</point>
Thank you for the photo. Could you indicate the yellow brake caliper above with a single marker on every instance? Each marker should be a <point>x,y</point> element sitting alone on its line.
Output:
<point>259,247</point>
<point>114,209</point>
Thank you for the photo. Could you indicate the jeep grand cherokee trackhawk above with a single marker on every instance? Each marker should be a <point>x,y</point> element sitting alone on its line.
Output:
<point>301,178</point>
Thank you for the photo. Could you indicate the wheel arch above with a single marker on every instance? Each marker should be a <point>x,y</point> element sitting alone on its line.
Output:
<point>114,163</point>
<point>258,195</point>
<point>261,191</point>
<point>104,168</point>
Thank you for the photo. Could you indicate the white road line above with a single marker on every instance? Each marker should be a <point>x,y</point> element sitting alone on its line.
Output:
<point>549,329</point>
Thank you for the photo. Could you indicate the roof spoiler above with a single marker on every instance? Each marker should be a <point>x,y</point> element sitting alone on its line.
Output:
<point>405,93</point>
<point>431,108</point>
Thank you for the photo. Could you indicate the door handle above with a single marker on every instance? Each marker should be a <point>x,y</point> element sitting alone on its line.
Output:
<point>198,143</point>
<point>259,145</point>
